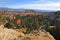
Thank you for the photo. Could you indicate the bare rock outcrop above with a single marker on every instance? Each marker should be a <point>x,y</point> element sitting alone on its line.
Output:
<point>41,35</point>
<point>9,34</point>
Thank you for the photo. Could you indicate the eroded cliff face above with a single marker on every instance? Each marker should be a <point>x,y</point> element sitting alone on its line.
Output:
<point>11,34</point>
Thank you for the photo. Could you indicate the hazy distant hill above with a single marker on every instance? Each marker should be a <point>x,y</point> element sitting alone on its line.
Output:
<point>22,9</point>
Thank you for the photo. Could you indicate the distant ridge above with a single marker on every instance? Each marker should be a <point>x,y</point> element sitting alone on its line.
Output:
<point>23,9</point>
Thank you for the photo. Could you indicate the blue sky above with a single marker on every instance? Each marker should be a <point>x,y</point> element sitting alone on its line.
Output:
<point>31,4</point>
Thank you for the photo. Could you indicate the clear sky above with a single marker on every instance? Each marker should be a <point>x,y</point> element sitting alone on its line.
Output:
<point>31,4</point>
